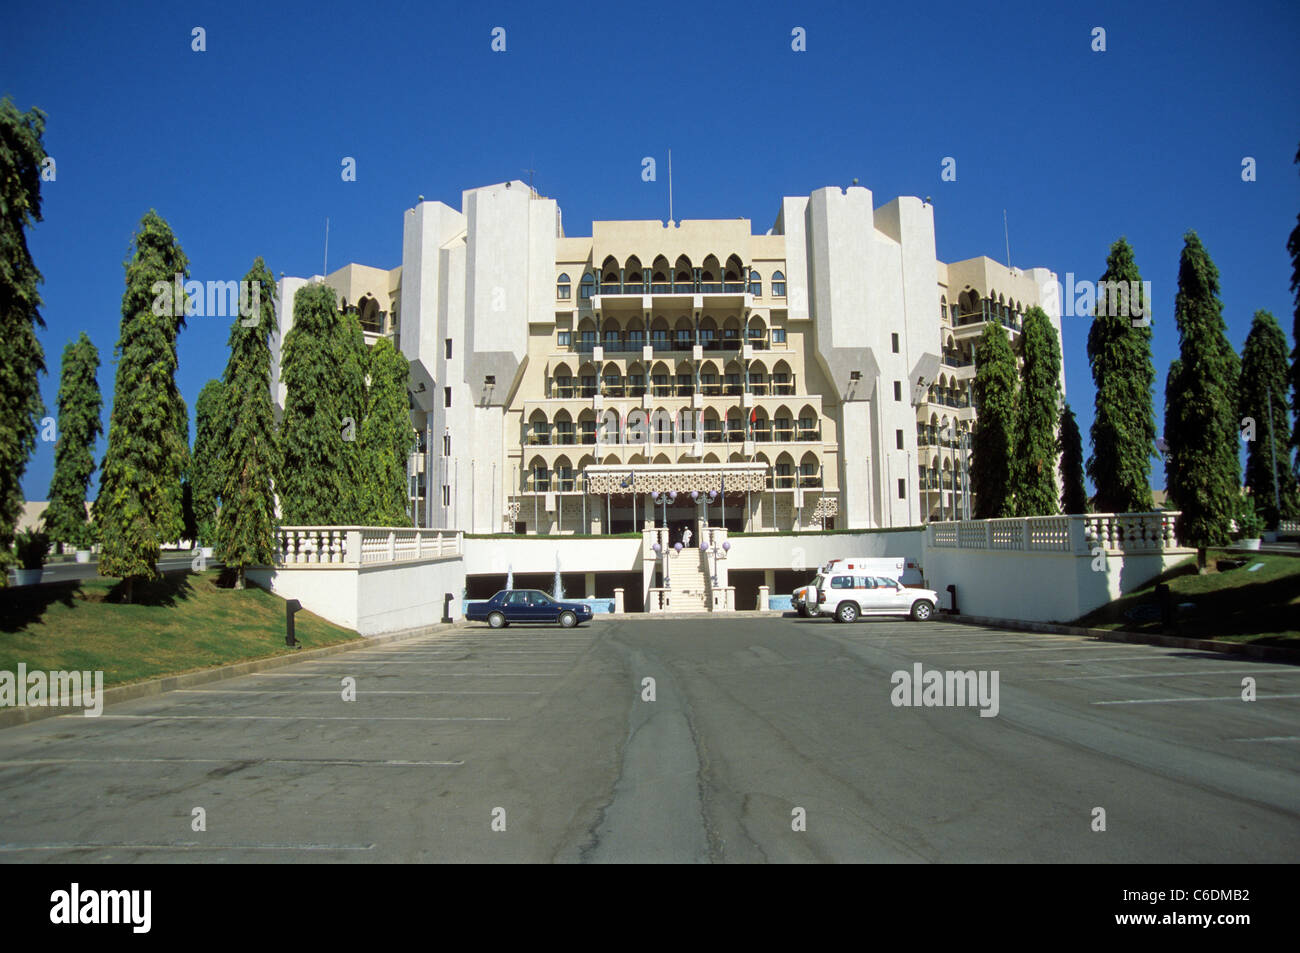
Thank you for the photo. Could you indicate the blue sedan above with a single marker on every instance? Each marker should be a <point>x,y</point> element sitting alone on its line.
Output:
<point>527,606</point>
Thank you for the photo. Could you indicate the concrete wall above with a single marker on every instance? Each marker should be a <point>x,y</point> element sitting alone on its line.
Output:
<point>372,600</point>
<point>1037,587</point>
<point>538,554</point>
<point>811,551</point>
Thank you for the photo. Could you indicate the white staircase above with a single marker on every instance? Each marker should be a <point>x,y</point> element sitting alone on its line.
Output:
<point>691,580</point>
<point>688,582</point>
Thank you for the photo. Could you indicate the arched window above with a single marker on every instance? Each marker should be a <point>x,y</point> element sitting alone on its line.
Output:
<point>541,478</point>
<point>562,287</point>
<point>778,284</point>
<point>588,287</point>
<point>756,284</point>
<point>563,475</point>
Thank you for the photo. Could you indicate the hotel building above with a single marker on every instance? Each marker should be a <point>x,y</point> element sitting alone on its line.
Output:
<point>813,374</point>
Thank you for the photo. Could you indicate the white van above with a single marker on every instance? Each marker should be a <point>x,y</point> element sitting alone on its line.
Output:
<point>895,567</point>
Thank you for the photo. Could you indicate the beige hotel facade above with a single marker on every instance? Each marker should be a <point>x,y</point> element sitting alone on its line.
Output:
<point>814,374</point>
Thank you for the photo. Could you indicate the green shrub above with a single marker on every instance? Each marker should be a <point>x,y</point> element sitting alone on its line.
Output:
<point>31,548</point>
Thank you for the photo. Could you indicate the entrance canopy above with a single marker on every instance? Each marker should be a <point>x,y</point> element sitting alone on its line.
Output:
<point>676,477</point>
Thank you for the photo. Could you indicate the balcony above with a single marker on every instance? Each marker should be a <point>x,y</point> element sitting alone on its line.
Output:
<point>975,318</point>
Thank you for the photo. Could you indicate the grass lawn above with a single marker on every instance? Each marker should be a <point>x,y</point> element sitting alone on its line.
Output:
<point>1261,606</point>
<point>182,623</point>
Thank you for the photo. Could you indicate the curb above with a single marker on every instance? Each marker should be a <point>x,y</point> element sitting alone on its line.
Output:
<point>1267,653</point>
<point>10,717</point>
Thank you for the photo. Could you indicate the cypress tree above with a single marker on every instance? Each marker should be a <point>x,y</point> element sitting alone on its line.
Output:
<point>992,442</point>
<point>313,466</point>
<point>1038,411</point>
<point>1293,246</point>
<point>208,463</point>
<point>386,439</point>
<point>74,453</point>
<point>1074,497</point>
<point>246,532</point>
<point>139,503</point>
<point>1124,424</point>
<point>22,358</point>
<point>352,369</point>
<point>1203,473</point>
<point>1264,383</point>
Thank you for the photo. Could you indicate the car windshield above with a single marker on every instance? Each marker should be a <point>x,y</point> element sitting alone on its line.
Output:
<point>817,583</point>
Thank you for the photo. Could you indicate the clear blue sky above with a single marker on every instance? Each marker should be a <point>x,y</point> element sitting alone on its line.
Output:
<point>239,147</point>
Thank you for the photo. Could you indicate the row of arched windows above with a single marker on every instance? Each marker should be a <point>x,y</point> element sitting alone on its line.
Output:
<point>970,308</point>
<point>682,335</point>
<point>664,380</point>
<point>562,477</point>
<point>936,432</point>
<point>661,425</point>
<point>662,278</point>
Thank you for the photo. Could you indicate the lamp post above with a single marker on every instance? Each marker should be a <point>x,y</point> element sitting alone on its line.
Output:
<point>663,499</point>
<point>706,547</point>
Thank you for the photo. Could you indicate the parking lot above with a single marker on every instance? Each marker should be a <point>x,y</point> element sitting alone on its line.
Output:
<point>541,744</point>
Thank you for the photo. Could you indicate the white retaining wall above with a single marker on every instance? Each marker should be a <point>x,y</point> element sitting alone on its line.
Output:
<point>1038,587</point>
<point>373,600</point>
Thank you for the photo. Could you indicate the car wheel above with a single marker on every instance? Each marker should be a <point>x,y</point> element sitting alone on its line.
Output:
<point>847,612</point>
<point>922,609</point>
<point>803,611</point>
<point>568,620</point>
<point>497,620</point>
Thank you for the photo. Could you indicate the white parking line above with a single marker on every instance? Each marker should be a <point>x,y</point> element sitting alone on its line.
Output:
<point>256,761</point>
<point>555,657</point>
<point>430,675</point>
<point>309,691</point>
<point>1169,701</point>
<point>182,845</point>
<point>1215,671</point>
<point>1059,648</point>
<point>396,661</point>
<point>155,717</point>
<point>1076,661</point>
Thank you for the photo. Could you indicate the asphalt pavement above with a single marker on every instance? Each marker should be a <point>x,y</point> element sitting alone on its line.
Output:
<point>767,740</point>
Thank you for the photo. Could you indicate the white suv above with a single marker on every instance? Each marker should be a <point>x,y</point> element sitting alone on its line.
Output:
<point>845,597</point>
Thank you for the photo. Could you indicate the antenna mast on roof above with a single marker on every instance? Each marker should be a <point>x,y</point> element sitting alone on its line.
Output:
<point>327,246</point>
<point>1006,235</point>
<point>670,186</point>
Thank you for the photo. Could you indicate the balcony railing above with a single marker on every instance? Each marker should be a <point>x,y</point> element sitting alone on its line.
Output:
<point>668,287</point>
<point>355,546</point>
<point>628,387</point>
<point>626,344</point>
<point>978,317</point>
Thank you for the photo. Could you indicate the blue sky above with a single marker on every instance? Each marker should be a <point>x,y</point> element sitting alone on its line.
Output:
<point>239,147</point>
